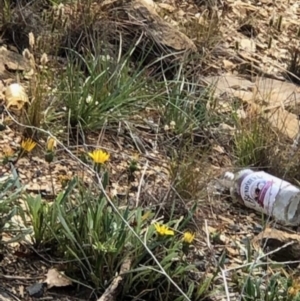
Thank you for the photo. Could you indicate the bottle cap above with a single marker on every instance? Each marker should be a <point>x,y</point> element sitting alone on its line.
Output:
<point>229,175</point>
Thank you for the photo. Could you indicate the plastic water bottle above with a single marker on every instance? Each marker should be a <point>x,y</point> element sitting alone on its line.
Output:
<point>265,193</point>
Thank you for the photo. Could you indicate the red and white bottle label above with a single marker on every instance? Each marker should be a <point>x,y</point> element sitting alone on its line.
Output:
<point>259,190</point>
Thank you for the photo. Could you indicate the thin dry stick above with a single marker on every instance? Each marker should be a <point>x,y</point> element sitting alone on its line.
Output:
<point>52,183</point>
<point>19,277</point>
<point>262,256</point>
<point>156,135</point>
<point>261,264</point>
<point>207,235</point>
<point>225,284</point>
<point>140,184</point>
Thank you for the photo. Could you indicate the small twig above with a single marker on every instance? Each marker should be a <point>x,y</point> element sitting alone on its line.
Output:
<point>112,291</point>
<point>137,141</point>
<point>141,184</point>
<point>52,183</point>
<point>156,135</point>
<point>207,235</point>
<point>257,261</point>
<point>5,292</point>
<point>225,284</point>
<point>19,277</point>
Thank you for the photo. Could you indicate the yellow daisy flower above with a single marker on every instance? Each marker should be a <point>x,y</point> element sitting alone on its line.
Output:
<point>163,230</point>
<point>99,156</point>
<point>188,237</point>
<point>28,145</point>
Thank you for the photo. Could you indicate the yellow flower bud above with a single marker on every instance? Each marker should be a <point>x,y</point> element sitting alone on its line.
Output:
<point>51,144</point>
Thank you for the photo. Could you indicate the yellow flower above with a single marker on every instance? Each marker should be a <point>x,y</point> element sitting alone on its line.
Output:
<point>163,230</point>
<point>99,156</point>
<point>135,157</point>
<point>295,288</point>
<point>188,237</point>
<point>28,145</point>
<point>51,144</point>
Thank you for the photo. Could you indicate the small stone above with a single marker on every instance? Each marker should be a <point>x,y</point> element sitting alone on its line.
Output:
<point>200,265</point>
<point>245,241</point>
<point>235,228</point>
<point>36,290</point>
<point>257,229</point>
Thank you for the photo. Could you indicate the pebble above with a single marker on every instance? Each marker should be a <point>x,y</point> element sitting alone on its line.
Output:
<point>36,290</point>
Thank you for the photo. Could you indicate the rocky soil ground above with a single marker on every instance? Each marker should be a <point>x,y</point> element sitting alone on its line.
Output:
<point>250,51</point>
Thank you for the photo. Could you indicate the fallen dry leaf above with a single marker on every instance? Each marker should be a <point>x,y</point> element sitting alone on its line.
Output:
<point>167,7</point>
<point>248,45</point>
<point>56,279</point>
